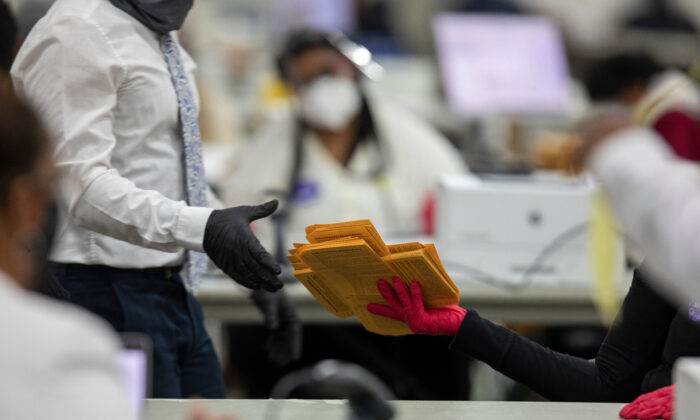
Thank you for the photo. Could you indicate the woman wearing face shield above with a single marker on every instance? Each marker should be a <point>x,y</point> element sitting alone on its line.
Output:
<point>344,154</point>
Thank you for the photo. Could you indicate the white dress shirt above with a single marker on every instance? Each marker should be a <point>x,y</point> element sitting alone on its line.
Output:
<point>56,361</point>
<point>99,80</point>
<point>414,157</point>
<point>656,198</point>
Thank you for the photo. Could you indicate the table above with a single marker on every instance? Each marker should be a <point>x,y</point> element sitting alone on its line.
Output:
<point>406,410</point>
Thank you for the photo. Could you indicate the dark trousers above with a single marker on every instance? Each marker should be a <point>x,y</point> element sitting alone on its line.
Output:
<point>156,303</point>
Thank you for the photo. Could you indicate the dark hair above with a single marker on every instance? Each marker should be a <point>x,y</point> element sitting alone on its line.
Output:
<point>8,36</point>
<point>611,77</point>
<point>22,140</point>
<point>297,42</point>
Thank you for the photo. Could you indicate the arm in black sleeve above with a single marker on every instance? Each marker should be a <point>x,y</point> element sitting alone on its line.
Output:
<point>632,347</point>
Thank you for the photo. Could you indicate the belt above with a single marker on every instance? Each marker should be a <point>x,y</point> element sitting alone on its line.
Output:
<point>155,272</point>
<point>164,272</point>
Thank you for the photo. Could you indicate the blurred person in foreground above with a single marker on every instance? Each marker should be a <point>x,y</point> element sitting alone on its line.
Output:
<point>656,200</point>
<point>664,99</point>
<point>344,154</point>
<point>56,361</point>
<point>137,220</point>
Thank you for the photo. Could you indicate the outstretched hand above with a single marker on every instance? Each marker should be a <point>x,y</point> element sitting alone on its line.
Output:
<point>409,308</point>
<point>234,248</point>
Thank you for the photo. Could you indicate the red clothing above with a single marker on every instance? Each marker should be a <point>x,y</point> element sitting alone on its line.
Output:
<point>682,132</point>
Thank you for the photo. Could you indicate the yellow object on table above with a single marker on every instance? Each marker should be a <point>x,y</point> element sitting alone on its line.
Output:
<point>343,262</point>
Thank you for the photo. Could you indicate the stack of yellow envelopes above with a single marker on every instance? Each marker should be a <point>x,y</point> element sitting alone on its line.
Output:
<point>343,262</point>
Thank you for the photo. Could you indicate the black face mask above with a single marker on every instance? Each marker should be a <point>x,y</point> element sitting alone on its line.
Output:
<point>161,16</point>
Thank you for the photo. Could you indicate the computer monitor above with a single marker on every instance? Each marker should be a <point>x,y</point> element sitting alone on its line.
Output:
<point>520,232</point>
<point>502,64</point>
<point>324,15</point>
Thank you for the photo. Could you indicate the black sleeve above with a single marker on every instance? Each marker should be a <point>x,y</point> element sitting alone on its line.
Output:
<point>632,347</point>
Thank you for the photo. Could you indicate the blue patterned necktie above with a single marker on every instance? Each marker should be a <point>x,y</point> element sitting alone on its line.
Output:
<point>192,141</point>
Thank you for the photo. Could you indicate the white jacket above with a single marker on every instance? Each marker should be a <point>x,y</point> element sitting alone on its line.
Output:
<point>415,156</point>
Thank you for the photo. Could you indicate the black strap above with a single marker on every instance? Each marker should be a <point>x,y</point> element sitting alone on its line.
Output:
<point>279,219</point>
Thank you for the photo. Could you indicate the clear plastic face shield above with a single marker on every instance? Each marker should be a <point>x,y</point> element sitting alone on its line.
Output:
<point>358,55</point>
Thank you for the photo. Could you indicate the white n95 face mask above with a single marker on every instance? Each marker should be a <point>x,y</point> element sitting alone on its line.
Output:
<point>330,102</point>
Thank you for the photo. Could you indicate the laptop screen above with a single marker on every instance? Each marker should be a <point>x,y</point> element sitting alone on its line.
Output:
<point>493,64</point>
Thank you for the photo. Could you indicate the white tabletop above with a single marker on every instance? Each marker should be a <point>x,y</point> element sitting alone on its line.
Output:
<point>406,410</point>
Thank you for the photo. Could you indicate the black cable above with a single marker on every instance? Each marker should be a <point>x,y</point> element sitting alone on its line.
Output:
<point>367,396</point>
<point>283,389</point>
<point>556,243</point>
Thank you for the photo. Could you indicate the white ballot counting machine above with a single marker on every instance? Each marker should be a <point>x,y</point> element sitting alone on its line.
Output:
<point>523,231</point>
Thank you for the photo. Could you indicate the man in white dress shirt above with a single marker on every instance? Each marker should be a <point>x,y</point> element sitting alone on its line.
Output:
<point>117,93</point>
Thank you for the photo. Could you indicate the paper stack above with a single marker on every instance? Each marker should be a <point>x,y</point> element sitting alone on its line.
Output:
<point>343,262</point>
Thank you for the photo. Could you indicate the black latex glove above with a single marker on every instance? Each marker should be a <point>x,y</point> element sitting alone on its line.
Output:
<point>283,325</point>
<point>231,244</point>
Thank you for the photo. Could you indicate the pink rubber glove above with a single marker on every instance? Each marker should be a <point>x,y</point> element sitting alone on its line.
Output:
<point>652,405</point>
<point>444,320</point>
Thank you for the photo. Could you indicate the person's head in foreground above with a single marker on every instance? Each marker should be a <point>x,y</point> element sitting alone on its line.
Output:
<point>26,177</point>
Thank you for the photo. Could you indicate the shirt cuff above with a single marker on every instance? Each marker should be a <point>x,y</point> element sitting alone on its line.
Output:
<point>630,148</point>
<point>191,223</point>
